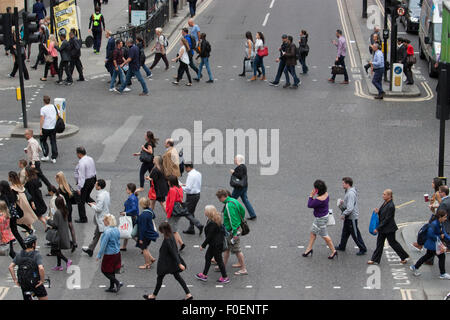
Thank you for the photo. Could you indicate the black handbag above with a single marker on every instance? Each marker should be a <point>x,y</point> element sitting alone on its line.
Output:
<point>235,182</point>
<point>60,125</point>
<point>338,69</point>
<point>52,236</point>
<point>179,210</point>
<point>411,60</point>
<point>146,157</point>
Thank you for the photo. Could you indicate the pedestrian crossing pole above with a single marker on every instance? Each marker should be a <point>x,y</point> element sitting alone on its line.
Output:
<point>444,111</point>
<point>364,9</point>
<point>385,38</point>
<point>20,62</point>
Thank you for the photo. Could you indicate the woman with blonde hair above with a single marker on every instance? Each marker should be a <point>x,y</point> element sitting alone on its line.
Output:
<point>66,191</point>
<point>183,58</point>
<point>146,231</point>
<point>110,252</point>
<point>215,235</point>
<point>160,47</point>
<point>51,58</point>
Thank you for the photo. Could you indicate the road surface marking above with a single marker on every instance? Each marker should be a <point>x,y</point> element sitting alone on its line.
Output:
<point>359,92</point>
<point>273,247</point>
<point>278,287</point>
<point>115,142</point>
<point>265,19</point>
<point>3,292</point>
<point>346,32</point>
<point>405,204</point>
<point>248,247</point>
<point>196,246</point>
<point>102,286</point>
<point>407,294</point>
<point>131,286</point>
<point>249,287</point>
<point>271,4</point>
<point>301,247</point>
<point>308,287</point>
<point>219,286</point>
<point>337,287</point>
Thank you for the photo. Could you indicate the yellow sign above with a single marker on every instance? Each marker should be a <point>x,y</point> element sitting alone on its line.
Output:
<point>66,18</point>
<point>18,94</point>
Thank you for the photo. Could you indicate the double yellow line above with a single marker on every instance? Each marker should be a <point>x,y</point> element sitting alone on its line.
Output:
<point>359,92</point>
<point>346,33</point>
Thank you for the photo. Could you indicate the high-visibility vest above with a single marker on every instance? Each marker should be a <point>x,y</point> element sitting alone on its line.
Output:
<point>97,19</point>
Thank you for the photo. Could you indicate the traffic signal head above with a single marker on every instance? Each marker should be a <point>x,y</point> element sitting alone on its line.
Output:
<point>30,27</point>
<point>392,5</point>
<point>5,30</point>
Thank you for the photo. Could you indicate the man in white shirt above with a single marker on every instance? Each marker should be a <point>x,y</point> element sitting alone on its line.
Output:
<point>101,208</point>
<point>47,127</point>
<point>32,152</point>
<point>192,189</point>
<point>85,177</point>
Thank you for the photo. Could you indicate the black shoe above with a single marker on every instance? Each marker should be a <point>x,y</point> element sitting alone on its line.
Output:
<point>294,86</point>
<point>190,298</point>
<point>74,247</point>
<point>59,82</point>
<point>379,97</point>
<point>81,221</point>
<point>210,81</point>
<point>90,253</point>
<point>252,218</point>
<point>146,297</point>
<point>118,286</point>
<point>339,248</point>
<point>335,254</point>
<point>308,253</point>
<point>197,79</point>
<point>182,247</point>
<point>189,231</point>
<point>241,74</point>
<point>34,67</point>
<point>200,230</point>
<point>82,79</point>
<point>275,84</point>
<point>123,249</point>
<point>110,290</point>
<point>287,85</point>
<point>67,83</point>
<point>361,253</point>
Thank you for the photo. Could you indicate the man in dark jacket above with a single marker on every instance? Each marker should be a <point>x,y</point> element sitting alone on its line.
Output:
<point>39,9</point>
<point>64,51</point>
<point>42,41</point>
<point>205,51</point>
<point>291,61</point>
<point>281,60</point>
<point>75,54</point>
<point>445,205</point>
<point>401,51</point>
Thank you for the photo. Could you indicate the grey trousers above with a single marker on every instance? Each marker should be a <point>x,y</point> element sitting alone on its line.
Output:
<point>95,239</point>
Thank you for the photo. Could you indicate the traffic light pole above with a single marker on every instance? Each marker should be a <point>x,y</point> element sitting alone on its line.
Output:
<point>385,38</point>
<point>364,9</point>
<point>20,63</point>
<point>393,44</point>
<point>443,92</point>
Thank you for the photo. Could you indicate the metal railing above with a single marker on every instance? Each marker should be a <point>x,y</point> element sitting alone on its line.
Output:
<point>146,31</point>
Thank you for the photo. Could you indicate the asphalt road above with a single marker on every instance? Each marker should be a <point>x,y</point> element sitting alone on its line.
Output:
<point>325,132</point>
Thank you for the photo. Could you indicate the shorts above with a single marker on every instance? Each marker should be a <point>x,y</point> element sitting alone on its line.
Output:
<point>145,244</point>
<point>236,247</point>
<point>173,221</point>
<point>39,292</point>
<point>320,226</point>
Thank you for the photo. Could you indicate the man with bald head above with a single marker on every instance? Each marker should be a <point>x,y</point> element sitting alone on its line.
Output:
<point>171,160</point>
<point>195,30</point>
<point>32,150</point>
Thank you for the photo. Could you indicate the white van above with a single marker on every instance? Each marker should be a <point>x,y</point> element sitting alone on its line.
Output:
<point>430,33</point>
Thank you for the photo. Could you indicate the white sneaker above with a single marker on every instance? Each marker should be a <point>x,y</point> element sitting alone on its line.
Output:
<point>444,276</point>
<point>113,90</point>
<point>45,159</point>
<point>127,89</point>
<point>414,270</point>
<point>53,161</point>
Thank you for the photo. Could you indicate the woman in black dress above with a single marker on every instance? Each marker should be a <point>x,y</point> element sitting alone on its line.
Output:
<point>33,186</point>
<point>147,162</point>
<point>69,195</point>
<point>169,262</point>
<point>158,179</point>
<point>8,195</point>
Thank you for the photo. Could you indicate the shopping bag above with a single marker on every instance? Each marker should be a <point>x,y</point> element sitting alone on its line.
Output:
<point>248,65</point>
<point>374,222</point>
<point>440,247</point>
<point>4,250</point>
<point>125,227</point>
<point>331,220</point>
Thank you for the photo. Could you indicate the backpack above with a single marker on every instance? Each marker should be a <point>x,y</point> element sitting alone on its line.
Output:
<point>422,234</point>
<point>193,42</point>
<point>60,125</point>
<point>142,56</point>
<point>180,154</point>
<point>166,42</point>
<point>207,48</point>
<point>27,272</point>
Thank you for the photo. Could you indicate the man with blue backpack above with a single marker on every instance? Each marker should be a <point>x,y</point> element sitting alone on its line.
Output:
<point>433,232</point>
<point>192,46</point>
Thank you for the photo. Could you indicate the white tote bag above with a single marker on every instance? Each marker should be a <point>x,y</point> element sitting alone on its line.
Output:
<point>331,220</point>
<point>248,65</point>
<point>125,227</point>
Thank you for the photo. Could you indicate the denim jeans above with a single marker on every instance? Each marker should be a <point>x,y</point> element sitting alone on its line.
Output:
<point>205,61</point>
<point>281,67</point>
<point>192,7</point>
<point>114,76</point>
<point>258,63</point>
<point>147,70</point>
<point>291,70</point>
<point>242,192</point>
<point>377,79</point>
<point>302,60</point>
<point>138,75</point>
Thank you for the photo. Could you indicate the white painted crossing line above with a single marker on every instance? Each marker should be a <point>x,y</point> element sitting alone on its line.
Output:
<point>196,246</point>
<point>190,286</point>
<point>249,287</point>
<point>271,4</point>
<point>273,247</point>
<point>336,287</point>
<point>131,286</point>
<point>301,247</point>
<point>278,287</point>
<point>219,286</point>
<point>368,288</point>
<point>248,247</point>
<point>265,19</point>
<point>102,286</point>
<point>308,287</point>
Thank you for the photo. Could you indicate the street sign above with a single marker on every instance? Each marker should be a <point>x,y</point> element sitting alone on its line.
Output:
<point>397,82</point>
<point>401,11</point>
<point>385,34</point>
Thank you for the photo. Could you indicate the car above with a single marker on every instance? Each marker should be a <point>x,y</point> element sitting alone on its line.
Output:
<point>411,18</point>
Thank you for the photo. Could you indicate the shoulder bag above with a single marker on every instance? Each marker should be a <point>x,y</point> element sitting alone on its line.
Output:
<point>411,59</point>
<point>52,236</point>
<point>179,209</point>
<point>60,125</point>
<point>146,157</point>
<point>244,225</point>
<point>264,52</point>
<point>238,183</point>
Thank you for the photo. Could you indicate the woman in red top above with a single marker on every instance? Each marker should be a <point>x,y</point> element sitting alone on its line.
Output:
<point>6,236</point>
<point>175,195</point>
<point>408,65</point>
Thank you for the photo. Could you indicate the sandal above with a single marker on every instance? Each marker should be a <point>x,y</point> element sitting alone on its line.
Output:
<point>236,265</point>
<point>146,266</point>
<point>43,79</point>
<point>188,84</point>
<point>241,273</point>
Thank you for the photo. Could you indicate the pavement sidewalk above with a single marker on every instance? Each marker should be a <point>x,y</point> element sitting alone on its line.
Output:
<point>362,34</point>
<point>433,287</point>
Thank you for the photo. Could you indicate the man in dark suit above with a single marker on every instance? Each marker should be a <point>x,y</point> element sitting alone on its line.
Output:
<point>445,205</point>
<point>386,230</point>
<point>401,51</point>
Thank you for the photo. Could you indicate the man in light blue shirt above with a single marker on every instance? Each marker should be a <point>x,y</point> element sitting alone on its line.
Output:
<point>378,70</point>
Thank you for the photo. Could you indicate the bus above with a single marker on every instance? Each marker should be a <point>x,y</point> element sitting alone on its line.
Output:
<point>430,33</point>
